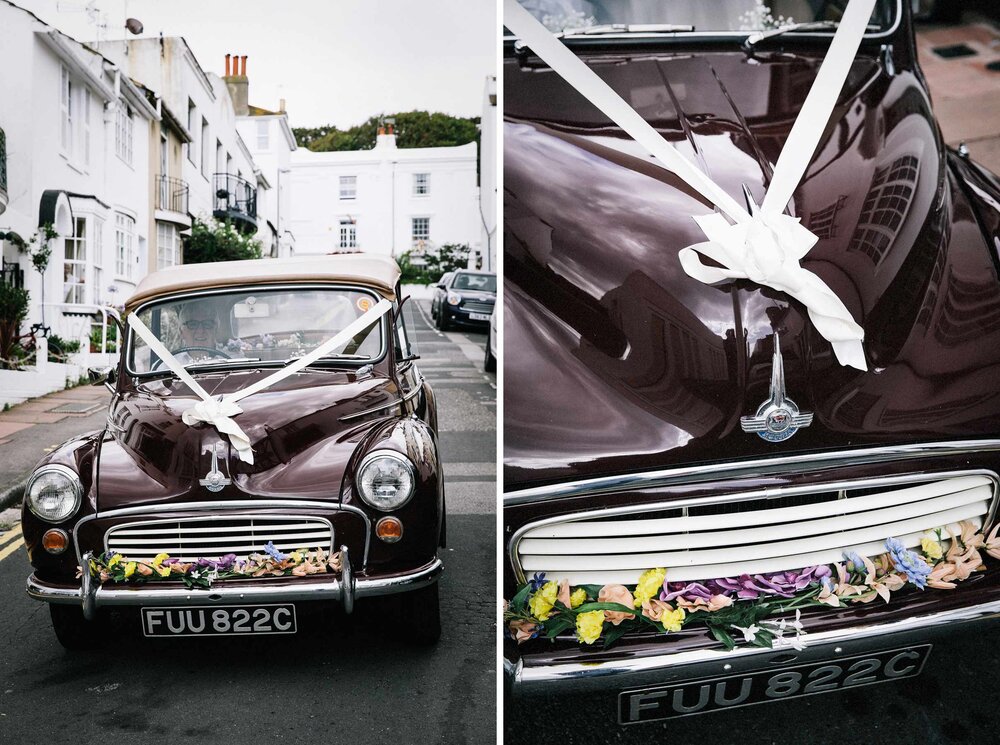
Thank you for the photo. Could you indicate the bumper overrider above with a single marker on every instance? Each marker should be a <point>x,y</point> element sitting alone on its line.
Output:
<point>91,595</point>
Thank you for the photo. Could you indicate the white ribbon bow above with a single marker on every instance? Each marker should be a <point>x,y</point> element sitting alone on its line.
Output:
<point>767,245</point>
<point>219,411</point>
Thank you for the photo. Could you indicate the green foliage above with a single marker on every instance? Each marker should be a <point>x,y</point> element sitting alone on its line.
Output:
<point>13,311</point>
<point>39,247</point>
<point>60,349</point>
<point>215,241</point>
<point>436,262</point>
<point>413,129</point>
<point>95,338</point>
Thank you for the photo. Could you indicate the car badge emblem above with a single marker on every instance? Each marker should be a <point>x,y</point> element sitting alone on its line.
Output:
<point>778,418</point>
<point>215,480</point>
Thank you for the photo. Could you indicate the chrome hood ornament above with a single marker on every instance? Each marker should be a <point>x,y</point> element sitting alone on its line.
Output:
<point>778,418</point>
<point>215,480</point>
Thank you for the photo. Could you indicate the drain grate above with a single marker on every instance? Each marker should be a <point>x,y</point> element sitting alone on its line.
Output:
<point>955,50</point>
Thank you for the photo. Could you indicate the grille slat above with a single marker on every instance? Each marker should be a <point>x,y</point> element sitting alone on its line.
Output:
<point>477,306</point>
<point>194,538</point>
<point>754,533</point>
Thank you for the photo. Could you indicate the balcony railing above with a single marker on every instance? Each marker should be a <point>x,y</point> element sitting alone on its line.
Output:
<point>3,171</point>
<point>236,200</point>
<point>171,194</point>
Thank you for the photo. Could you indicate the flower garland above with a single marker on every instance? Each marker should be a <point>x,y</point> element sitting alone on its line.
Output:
<point>741,607</point>
<point>117,569</point>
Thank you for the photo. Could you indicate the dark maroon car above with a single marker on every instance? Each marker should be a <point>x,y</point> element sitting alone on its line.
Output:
<point>221,494</point>
<point>649,417</point>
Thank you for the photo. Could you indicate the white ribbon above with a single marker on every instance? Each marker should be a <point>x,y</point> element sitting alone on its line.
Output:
<point>219,411</point>
<point>763,245</point>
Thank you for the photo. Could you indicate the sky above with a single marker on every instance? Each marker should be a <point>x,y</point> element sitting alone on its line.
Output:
<point>333,61</point>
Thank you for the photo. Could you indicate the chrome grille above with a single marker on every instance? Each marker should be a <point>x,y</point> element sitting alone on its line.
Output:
<point>210,537</point>
<point>474,306</point>
<point>754,532</point>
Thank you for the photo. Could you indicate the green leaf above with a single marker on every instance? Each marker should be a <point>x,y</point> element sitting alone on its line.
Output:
<point>615,633</point>
<point>520,597</point>
<point>586,607</point>
<point>723,636</point>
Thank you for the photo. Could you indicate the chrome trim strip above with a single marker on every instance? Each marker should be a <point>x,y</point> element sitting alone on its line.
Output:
<point>766,493</point>
<point>744,469</point>
<point>409,396</point>
<point>348,587</point>
<point>213,518</point>
<point>151,595</point>
<point>66,471</point>
<point>239,504</point>
<point>527,678</point>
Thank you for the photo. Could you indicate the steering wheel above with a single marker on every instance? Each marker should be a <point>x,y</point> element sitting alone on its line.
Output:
<point>210,350</point>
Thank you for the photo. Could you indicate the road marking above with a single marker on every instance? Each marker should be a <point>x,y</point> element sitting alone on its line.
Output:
<point>427,320</point>
<point>11,548</point>
<point>12,533</point>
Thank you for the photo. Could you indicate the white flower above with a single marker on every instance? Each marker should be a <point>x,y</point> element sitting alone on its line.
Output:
<point>749,633</point>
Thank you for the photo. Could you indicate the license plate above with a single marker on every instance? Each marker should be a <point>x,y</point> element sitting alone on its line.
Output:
<point>730,691</point>
<point>219,620</point>
<point>479,316</point>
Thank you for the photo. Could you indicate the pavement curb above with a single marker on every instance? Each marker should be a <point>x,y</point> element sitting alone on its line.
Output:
<point>12,495</point>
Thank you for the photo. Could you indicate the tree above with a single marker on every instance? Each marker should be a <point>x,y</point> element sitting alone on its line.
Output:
<point>413,129</point>
<point>215,241</point>
<point>13,311</point>
<point>427,266</point>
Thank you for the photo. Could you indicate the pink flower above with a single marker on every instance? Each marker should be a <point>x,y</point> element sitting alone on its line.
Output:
<point>616,594</point>
<point>714,603</point>
<point>563,595</point>
<point>654,609</point>
<point>522,629</point>
<point>992,543</point>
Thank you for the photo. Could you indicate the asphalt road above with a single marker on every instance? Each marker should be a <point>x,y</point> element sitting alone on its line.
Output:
<point>339,680</point>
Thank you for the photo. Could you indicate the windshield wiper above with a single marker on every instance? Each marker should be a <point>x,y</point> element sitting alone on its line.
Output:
<point>624,28</point>
<point>330,357</point>
<point>759,36</point>
<point>220,361</point>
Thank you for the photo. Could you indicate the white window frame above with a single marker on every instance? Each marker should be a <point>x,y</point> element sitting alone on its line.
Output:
<point>168,245</point>
<point>125,253</point>
<point>263,134</point>
<point>75,293</point>
<point>193,147</point>
<point>97,244</point>
<point>206,139</point>
<point>348,188</point>
<point>421,181</point>
<point>86,127</point>
<point>66,112</point>
<point>348,234</point>
<point>425,235</point>
<point>124,132</point>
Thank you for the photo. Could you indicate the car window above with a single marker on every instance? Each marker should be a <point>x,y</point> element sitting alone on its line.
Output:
<point>480,282</point>
<point>264,326</point>
<point>716,15</point>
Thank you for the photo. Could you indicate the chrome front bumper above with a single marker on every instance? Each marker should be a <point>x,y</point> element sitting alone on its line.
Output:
<point>522,678</point>
<point>344,589</point>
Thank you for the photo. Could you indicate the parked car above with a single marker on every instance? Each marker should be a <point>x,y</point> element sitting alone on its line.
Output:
<point>490,361</point>
<point>335,494</point>
<point>466,298</point>
<point>653,458</point>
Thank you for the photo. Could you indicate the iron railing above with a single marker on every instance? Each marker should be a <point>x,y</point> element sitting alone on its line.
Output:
<point>3,160</point>
<point>171,194</point>
<point>235,199</point>
<point>11,273</point>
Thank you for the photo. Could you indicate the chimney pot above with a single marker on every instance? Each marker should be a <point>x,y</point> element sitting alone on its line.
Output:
<point>244,70</point>
<point>227,65</point>
<point>390,130</point>
<point>281,105</point>
<point>381,130</point>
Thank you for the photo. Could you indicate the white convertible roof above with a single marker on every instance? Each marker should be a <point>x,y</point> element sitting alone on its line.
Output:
<point>377,272</point>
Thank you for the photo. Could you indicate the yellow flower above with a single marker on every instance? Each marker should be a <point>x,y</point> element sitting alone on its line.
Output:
<point>295,557</point>
<point>671,620</point>
<point>931,548</point>
<point>649,585</point>
<point>542,601</point>
<point>162,571</point>
<point>578,598</point>
<point>589,626</point>
<point>160,558</point>
<point>114,560</point>
<point>130,569</point>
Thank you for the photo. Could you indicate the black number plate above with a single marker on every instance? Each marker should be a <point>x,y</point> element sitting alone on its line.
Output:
<point>219,620</point>
<point>700,696</point>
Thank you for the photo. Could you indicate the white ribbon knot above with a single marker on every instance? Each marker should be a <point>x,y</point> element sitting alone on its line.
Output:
<point>764,245</point>
<point>218,413</point>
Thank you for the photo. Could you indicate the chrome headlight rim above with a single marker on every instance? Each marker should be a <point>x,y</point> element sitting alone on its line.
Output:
<point>375,455</point>
<point>453,298</point>
<point>74,479</point>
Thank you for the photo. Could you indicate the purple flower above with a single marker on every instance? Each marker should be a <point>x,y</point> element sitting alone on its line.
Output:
<point>274,553</point>
<point>536,581</point>
<point>689,591</point>
<point>780,584</point>
<point>908,562</point>
<point>855,563</point>
<point>207,563</point>
<point>226,562</point>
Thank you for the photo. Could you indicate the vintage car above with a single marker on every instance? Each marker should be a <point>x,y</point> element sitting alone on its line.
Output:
<point>651,442</point>
<point>464,297</point>
<point>269,442</point>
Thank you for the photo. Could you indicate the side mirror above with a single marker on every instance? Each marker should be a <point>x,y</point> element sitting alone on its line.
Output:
<point>102,375</point>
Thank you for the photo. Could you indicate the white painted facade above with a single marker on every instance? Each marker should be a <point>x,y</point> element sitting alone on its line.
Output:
<point>77,140</point>
<point>488,179</point>
<point>384,200</point>
<point>271,143</point>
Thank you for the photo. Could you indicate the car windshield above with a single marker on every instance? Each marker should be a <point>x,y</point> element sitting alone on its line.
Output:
<point>259,326</point>
<point>561,16</point>
<point>480,282</point>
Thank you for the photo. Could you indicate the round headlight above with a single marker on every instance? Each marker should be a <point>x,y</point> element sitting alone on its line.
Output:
<point>386,480</point>
<point>454,299</point>
<point>53,493</point>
